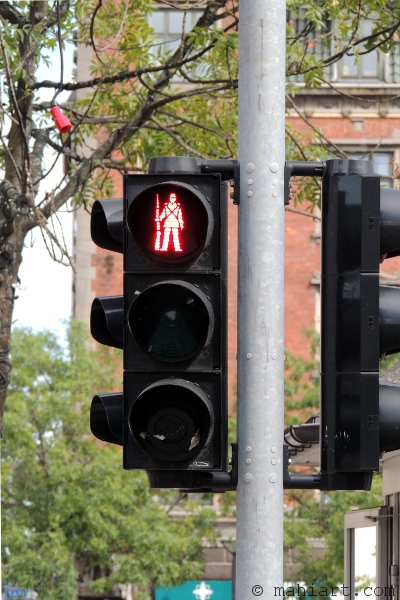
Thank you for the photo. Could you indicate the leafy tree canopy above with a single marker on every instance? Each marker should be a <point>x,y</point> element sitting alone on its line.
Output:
<point>67,504</point>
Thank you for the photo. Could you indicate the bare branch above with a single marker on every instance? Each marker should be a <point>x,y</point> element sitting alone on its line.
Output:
<point>182,119</point>
<point>328,143</point>
<point>55,243</point>
<point>177,138</point>
<point>62,150</point>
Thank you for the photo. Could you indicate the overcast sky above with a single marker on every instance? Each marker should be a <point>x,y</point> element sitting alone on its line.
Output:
<point>45,292</point>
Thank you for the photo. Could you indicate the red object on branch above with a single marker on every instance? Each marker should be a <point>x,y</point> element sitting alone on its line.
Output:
<point>62,122</point>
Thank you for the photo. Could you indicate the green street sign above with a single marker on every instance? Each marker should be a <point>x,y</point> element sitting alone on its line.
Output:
<point>197,590</point>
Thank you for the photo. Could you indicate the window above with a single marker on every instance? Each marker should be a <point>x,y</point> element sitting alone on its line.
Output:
<point>383,165</point>
<point>364,66</point>
<point>168,25</point>
<point>368,553</point>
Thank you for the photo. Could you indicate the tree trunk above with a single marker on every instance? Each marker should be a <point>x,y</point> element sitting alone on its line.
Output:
<point>10,261</point>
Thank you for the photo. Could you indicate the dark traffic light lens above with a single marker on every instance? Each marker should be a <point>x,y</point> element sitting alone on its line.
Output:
<point>171,420</point>
<point>170,222</point>
<point>171,321</point>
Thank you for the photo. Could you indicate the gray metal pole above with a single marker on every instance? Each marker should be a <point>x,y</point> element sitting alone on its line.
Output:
<point>259,563</point>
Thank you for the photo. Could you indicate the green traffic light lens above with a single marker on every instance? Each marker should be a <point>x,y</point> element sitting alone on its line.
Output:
<point>171,321</point>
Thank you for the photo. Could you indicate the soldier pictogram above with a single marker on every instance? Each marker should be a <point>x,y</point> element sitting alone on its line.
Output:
<point>169,224</point>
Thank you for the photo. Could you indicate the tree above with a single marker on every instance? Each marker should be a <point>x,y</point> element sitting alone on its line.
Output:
<point>67,507</point>
<point>141,100</point>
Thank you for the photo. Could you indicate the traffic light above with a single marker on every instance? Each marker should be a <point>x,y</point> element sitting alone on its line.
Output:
<point>171,323</point>
<point>360,322</point>
<point>175,332</point>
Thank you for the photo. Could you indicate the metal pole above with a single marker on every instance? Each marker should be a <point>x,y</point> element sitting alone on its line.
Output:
<point>259,567</point>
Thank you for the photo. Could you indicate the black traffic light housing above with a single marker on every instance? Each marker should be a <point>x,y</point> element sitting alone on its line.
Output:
<point>350,323</point>
<point>360,322</point>
<point>175,286</point>
<point>171,322</point>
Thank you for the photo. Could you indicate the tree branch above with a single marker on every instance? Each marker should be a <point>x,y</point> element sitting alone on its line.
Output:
<point>9,13</point>
<point>353,97</point>
<point>328,143</point>
<point>115,139</point>
<point>183,119</point>
<point>176,61</point>
<point>177,138</point>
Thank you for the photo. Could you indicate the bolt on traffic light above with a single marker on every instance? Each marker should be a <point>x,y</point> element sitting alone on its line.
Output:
<point>360,322</point>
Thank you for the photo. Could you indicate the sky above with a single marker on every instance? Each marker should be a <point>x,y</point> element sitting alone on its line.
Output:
<point>45,289</point>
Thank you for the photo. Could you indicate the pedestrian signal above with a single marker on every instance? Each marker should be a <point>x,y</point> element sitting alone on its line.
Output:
<point>175,365</point>
<point>170,222</point>
<point>359,417</point>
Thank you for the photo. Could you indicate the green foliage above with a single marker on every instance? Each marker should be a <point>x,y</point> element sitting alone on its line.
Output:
<point>314,516</point>
<point>329,30</point>
<point>388,361</point>
<point>302,384</point>
<point>188,121</point>
<point>67,503</point>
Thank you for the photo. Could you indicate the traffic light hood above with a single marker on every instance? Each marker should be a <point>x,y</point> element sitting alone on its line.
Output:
<point>106,225</point>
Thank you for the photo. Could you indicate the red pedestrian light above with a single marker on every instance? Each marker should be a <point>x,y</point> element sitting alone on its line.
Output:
<point>170,222</point>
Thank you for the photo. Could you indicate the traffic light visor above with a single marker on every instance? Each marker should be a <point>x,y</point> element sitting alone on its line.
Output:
<point>106,417</point>
<point>170,222</point>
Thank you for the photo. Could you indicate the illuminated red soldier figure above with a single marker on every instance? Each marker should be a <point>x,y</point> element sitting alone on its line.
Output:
<point>170,221</point>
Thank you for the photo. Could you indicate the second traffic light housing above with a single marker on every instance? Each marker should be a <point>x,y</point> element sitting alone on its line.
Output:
<point>360,322</point>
